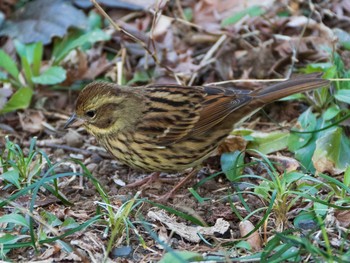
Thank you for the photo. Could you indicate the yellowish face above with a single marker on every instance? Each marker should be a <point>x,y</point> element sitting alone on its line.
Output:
<point>104,108</point>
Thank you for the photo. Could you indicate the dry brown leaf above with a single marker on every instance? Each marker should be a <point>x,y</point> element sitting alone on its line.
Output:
<point>254,239</point>
<point>32,121</point>
<point>343,217</point>
<point>210,13</point>
<point>76,64</point>
<point>162,25</point>
<point>189,232</point>
<point>232,143</point>
<point>287,164</point>
<point>324,164</point>
<point>97,67</point>
<point>6,6</point>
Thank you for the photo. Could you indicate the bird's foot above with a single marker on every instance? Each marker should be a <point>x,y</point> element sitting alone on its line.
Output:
<point>164,198</point>
<point>145,182</point>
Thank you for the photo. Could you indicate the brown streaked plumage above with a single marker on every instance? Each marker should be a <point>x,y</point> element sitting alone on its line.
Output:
<point>169,127</point>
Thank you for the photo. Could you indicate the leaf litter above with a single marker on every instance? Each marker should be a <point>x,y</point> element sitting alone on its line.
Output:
<point>187,38</point>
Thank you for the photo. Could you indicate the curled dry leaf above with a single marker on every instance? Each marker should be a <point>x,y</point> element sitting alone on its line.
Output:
<point>190,232</point>
<point>91,244</point>
<point>232,143</point>
<point>343,217</point>
<point>32,121</point>
<point>287,164</point>
<point>76,65</point>
<point>254,239</point>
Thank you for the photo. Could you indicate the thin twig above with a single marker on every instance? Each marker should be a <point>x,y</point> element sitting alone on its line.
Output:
<point>261,80</point>
<point>134,38</point>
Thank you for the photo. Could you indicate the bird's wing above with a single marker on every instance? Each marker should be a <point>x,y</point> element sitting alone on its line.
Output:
<point>175,112</point>
<point>218,104</point>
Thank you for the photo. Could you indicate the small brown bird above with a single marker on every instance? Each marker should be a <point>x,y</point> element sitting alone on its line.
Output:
<point>169,128</point>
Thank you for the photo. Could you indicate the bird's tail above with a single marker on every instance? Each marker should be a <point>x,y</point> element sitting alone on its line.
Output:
<point>290,87</point>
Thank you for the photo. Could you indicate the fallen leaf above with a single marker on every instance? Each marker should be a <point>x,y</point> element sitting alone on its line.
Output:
<point>190,232</point>
<point>41,20</point>
<point>31,121</point>
<point>331,153</point>
<point>254,239</point>
<point>343,217</point>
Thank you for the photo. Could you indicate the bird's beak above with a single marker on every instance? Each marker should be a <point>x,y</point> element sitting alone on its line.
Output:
<point>73,119</point>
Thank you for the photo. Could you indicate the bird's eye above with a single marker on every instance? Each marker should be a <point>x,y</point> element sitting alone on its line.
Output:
<point>90,113</point>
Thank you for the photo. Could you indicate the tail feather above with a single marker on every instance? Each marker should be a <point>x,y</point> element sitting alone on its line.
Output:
<point>290,87</point>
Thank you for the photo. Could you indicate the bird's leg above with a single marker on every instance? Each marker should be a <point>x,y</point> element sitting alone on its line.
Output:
<point>170,194</point>
<point>146,181</point>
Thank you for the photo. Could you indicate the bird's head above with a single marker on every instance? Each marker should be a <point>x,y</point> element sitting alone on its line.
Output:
<point>104,107</point>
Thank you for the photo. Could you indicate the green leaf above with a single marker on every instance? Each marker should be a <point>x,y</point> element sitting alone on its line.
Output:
<point>65,246</point>
<point>3,75</point>
<point>51,219</point>
<point>251,11</point>
<point>338,62</point>
<point>20,100</point>
<point>232,164</point>
<point>27,70</point>
<point>15,219</point>
<point>8,64</point>
<point>304,155</point>
<point>53,75</point>
<point>331,112</point>
<point>94,20</point>
<point>264,189</point>
<point>69,223</point>
<point>10,239</point>
<point>320,209</point>
<point>140,76</point>
<point>188,14</point>
<point>181,256</point>
<point>292,177</point>
<point>332,152</point>
<point>7,239</point>
<point>306,122</point>
<point>316,67</point>
<point>37,57</point>
<point>298,96</point>
<point>12,177</point>
<point>343,95</point>
<point>243,244</point>
<point>269,142</point>
<point>32,52</point>
<point>72,42</point>
<point>347,176</point>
